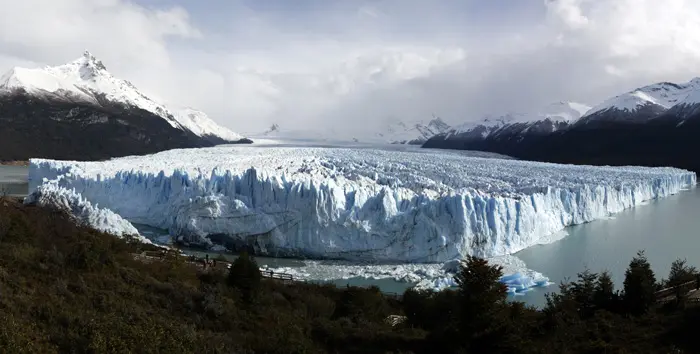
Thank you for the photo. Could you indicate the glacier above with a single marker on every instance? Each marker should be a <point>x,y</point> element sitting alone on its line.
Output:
<point>83,212</point>
<point>419,206</point>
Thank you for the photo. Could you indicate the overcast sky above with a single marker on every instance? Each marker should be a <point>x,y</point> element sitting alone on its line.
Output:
<point>359,63</point>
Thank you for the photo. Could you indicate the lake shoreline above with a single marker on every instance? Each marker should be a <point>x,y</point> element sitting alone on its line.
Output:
<point>15,163</point>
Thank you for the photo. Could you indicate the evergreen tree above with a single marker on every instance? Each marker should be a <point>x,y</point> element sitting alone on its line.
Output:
<point>583,291</point>
<point>680,274</point>
<point>605,297</point>
<point>482,301</point>
<point>245,276</point>
<point>639,285</point>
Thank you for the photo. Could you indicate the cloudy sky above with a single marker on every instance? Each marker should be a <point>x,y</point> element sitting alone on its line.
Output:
<point>360,63</point>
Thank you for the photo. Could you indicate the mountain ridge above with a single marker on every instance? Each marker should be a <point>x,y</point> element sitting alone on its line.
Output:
<point>79,111</point>
<point>87,80</point>
<point>393,132</point>
<point>654,125</point>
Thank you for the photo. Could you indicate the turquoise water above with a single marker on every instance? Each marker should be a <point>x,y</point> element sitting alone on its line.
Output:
<point>665,229</point>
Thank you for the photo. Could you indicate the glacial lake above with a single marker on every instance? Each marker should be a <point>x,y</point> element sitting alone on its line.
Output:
<point>13,180</point>
<point>666,229</point>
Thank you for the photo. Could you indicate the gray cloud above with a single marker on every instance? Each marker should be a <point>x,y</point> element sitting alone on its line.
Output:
<point>355,65</point>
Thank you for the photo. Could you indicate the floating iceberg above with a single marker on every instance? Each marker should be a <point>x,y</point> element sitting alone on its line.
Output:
<point>357,204</point>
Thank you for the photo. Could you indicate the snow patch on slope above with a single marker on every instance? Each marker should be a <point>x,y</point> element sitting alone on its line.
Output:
<point>87,80</point>
<point>201,125</point>
<point>358,204</point>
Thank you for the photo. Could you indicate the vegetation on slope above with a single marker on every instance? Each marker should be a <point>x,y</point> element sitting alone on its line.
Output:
<point>65,288</point>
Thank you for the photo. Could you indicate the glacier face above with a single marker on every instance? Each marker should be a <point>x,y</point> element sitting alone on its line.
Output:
<point>84,212</point>
<point>357,204</point>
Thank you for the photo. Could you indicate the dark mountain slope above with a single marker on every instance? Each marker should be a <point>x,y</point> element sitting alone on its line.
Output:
<point>658,142</point>
<point>58,129</point>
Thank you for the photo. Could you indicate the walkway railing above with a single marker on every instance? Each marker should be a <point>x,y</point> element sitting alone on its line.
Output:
<point>670,291</point>
<point>221,264</point>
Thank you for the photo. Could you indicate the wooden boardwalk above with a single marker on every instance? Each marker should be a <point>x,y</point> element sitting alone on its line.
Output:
<point>202,265</point>
<point>690,289</point>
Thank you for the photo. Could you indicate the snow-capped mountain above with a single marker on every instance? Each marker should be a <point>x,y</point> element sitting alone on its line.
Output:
<point>396,132</point>
<point>645,103</point>
<point>550,118</point>
<point>79,111</point>
<point>415,134</point>
<point>293,133</point>
<point>86,80</point>
<point>654,125</point>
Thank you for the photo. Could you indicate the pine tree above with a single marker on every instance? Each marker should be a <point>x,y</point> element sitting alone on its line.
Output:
<point>604,297</point>
<point>639,285</point>
<point>245,276</point>
<point>583,291</point>
<point>680,274</point>
<point>482,301</point>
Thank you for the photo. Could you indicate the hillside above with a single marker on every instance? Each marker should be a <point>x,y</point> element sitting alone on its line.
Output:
<point>80,111</point>
<point>656,125</point>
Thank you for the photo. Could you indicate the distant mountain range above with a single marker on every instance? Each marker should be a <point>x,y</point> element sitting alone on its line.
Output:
<point>394,132</point>
<point>80,111</point>
<point>655,125</point>
<point>415,134</point>
<point>551,118</point>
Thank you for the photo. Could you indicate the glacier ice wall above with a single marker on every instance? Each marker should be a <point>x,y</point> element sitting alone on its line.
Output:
<point>357,204</point>
<point>51,195</point>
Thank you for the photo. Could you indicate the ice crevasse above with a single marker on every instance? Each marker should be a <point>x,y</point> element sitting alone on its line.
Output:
<point>355,204</point>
